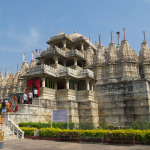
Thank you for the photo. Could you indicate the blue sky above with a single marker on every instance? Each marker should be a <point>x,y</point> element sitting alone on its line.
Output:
<point>25,25</point>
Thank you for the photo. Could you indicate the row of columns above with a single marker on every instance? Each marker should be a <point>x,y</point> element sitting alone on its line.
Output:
<point>67,84</point>
<point>64,42</point>
<point>75,61</point>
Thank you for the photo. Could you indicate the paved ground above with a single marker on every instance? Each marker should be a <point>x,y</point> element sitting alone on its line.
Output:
<point>29,144</point>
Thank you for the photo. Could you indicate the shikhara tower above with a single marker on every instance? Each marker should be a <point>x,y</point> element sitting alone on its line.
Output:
<point>94,82</point>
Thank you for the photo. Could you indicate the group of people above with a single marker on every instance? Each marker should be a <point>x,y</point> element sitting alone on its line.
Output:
<point>28,97</point>
<point>11,106</point>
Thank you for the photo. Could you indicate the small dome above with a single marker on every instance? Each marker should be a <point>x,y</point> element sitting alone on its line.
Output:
<point>5,79</point>
<point>144,46</point>
<point>61,32</point>
<point>75,35</point>
<point>1,79</point>
<point>11,79</point>
<point>24,67</point>
<point>16,79</point>
<point>32,64</point>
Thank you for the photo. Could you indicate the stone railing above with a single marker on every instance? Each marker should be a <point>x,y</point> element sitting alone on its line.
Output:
<point>66,71</point>
<point>74,53</point>
<point>64,53</point>
<point>16,130</point>
<point>85,73</point>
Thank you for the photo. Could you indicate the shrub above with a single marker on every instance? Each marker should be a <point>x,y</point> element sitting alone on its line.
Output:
<point>28,131</point>
<point>49,132</point>
<point>61,125</point>
<point>142,125</point>
<point>86,126</point>
<point>105,126</point>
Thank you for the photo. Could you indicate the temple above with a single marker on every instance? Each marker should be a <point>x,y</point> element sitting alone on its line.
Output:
<point>95,83</point>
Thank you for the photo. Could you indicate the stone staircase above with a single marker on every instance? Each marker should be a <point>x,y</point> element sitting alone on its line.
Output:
<point>11,130</point>
<point>8,133</point>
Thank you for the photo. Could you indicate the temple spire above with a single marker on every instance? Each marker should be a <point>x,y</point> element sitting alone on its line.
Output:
<point>36,51</point>
<point>5,71</point>
<point>32,55</point>
<point>17,67</point>
<point>111,37</point>
<point>124,34</point>
<point>144,36</point>
<point>118,34</point>
<point>23,57</point>
<point>100,40</point>
<point>39,51</point>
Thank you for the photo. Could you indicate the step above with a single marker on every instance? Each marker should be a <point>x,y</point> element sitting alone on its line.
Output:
<point>10,138</point>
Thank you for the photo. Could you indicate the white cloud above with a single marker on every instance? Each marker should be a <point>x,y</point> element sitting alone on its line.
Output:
<point>24,40</point>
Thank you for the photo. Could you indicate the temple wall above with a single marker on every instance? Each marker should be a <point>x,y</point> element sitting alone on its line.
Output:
<point>123,102</point>
<point>116,72</point>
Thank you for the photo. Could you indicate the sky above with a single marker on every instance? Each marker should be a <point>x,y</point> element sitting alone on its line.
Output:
<point>25,25</point>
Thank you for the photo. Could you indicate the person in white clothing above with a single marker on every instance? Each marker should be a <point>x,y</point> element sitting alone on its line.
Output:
<point>35,92</point>
<point>25,98</point>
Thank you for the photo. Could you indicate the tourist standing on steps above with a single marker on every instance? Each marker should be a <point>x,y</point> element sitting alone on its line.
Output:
<point>25,98</point>
<point>30,95</point>
<point>35,92</point>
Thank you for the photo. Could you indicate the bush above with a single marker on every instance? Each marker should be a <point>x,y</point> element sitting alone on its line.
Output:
<point>140,135</point>
<point>86,126</point>
<point>141,125</point>
<point>49,132</point>
<point>28,131</point>
<point>105,126</point>
<point>61,125</point>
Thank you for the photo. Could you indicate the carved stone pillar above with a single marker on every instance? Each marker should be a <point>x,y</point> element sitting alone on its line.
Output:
<point>82,48</point>
<point>67,83</point>
<point>75,86</point>
<point>43,82</point>
<point>56,59</point>
<point>55,85</point>
<point>91,86</point>
<point>64,43</point>
<point>87,85</point>
<point>75,61</point>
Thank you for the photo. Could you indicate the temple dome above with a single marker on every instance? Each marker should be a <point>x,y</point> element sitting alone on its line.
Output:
<point>76,35</point>
<point>24,67</point>
<point>32,64</point>
<point>11,79</point>
<point>5,79</point>
<point>16,79</point>
<point>1,79</point>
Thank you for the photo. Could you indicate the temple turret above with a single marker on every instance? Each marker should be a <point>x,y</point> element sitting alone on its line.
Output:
<point>9,86</point>
<point>144,60</point>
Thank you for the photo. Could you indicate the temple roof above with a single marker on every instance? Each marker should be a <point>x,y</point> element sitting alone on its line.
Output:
<point>74,37</point>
